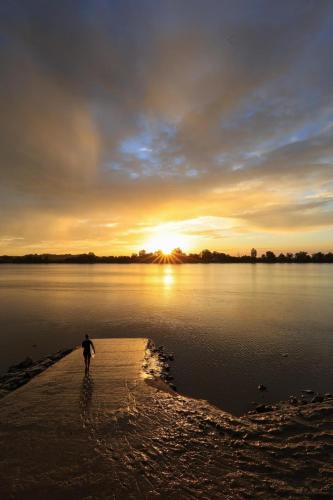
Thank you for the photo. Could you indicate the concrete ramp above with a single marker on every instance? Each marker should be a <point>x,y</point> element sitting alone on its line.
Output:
<point>114,436</point>
<point>47,426</point>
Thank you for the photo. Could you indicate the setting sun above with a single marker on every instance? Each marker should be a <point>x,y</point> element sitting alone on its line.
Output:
<point>165,241</point>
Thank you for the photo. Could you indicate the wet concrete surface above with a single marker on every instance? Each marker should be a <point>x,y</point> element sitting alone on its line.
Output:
<point>115,434</point>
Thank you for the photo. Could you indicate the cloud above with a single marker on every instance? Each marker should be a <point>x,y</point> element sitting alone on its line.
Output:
<point>160,112</point>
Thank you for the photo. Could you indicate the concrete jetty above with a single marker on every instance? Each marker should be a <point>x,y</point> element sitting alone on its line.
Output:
<point>46,426</point>
<point>114,436</point>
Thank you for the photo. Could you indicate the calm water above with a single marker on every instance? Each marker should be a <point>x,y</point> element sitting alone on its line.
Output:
<point>228,325</point>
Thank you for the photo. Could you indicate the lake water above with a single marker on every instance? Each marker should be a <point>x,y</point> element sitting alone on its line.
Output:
<point>227,324</point>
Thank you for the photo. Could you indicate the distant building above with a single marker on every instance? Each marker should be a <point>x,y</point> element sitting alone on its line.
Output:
<point>253,254</point>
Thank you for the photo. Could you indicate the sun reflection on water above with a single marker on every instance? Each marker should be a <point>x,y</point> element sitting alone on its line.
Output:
<point>168,277</point>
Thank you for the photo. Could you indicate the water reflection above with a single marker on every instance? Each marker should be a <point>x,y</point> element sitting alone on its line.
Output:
<point>223,322</point>
<point>168,277</point>
<point>86,394</point>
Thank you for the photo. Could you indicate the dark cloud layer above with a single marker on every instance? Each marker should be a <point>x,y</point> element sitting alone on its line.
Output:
<point>158,111</point>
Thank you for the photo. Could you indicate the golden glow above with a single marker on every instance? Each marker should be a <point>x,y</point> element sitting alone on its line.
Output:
<point>168,279</point>
<point>166,242</point>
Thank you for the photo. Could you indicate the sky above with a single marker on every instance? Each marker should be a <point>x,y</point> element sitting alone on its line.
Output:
<point>151,124</point>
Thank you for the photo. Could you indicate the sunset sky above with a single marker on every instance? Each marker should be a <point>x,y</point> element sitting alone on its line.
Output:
<point>128,124</point>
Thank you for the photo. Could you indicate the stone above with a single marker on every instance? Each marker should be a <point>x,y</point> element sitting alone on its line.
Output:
<point>317,399</point>
<point>308,391</point>
<point>262,387</point>
<point>263,408</point>
<point>11,385</point>
<point>65,352</point>
<point>46,362</point>
<point>35,370</point>
<point>24,364</point>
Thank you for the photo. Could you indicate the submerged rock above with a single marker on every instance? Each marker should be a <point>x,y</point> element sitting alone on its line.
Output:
<point>262,387</point>
<point>23,364</point>
<point>263,408</point>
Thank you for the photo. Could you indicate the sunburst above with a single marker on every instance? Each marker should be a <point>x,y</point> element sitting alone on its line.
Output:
<point>163,244</point>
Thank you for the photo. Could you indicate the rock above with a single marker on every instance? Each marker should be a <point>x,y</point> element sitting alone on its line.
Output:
<point>20,366</point>
<point>11,385</point>
<point>317,399</point>
<point>284,355</point>
<point>308,391</point>
<point>171,357</point>
<point>293,400</point>
<point>35,370</point>
<point>261,387</point>
<point>56,356</point>
<point>173,387</point>
<point>21,373</point>
<point>7,376</point>
<point>3,392</point>
<point>263,408</point>
<point>66,351</point>
<point>328,395</point>
<point>46,362</point>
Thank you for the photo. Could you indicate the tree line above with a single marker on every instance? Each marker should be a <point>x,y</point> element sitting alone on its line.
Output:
<point>177,256</point>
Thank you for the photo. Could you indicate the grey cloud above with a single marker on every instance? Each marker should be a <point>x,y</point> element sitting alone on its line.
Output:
<point>293,217</point>
<point>231,77</point>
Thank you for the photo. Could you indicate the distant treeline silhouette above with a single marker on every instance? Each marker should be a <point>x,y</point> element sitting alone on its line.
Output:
<point>177,256</point>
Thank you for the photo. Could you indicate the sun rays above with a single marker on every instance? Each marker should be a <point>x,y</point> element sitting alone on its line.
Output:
<point>167,258</point>
<point>164,241</point>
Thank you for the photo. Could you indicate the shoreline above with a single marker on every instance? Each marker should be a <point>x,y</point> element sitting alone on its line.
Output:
<point>157,373</point>
<point>155,441</point>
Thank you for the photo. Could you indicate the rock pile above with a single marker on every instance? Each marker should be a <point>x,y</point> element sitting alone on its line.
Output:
<point>24,371</point>
<point>308,396</point>
<point>156,365</point>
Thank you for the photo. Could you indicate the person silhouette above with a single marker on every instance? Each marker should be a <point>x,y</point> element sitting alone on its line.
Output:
<point>86,346</point>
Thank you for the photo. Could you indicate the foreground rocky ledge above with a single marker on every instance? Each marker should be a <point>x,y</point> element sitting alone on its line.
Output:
<point>115,436</point>
<point>19,374</point>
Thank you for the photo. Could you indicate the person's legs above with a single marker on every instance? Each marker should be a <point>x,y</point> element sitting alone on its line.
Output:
<point>88,362</point>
